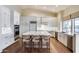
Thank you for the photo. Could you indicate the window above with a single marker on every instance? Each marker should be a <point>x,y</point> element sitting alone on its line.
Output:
<point>71,26</point>
<point>76,25</point>
<point>67,26</point>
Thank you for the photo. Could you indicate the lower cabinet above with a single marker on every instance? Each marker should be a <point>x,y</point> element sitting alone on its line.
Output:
<point>76,43</point>
<point>16,47</point>
<point>66,40</point>
<point>5,41</point>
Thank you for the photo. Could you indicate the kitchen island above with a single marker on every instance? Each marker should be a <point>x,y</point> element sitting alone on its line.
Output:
<point>38,41</point>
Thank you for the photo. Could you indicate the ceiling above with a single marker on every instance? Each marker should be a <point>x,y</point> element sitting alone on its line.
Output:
<point>50,8</point>
<point>39,9</point>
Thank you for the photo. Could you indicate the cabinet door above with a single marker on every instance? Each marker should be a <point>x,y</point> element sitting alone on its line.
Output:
<point>45,21</point>
<point>64,39</point>
<point>39,20</point>
<point>59,37</point>
<point>24,24</point>
<point>1,44</point>
<point>16,18</point>
<point>5,14</point>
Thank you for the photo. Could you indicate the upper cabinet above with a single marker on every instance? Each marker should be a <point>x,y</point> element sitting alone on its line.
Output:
<point>5,16</point>
<point>42,23</point>
<point>16,18</point>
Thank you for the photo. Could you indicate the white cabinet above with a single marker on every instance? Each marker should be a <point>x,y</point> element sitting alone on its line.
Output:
<point>5,16</point>
<point>43,23</point>
<point>24,24</point>
<point>76,40</point>
<point>66,40</point>
<point>5,41</point>
<point>62,38</point>
<point>6,37</point>
<point>16,18</point>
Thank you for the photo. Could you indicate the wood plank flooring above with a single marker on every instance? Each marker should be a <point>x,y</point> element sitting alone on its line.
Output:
<point>57,47</point>
<point>36,50</point>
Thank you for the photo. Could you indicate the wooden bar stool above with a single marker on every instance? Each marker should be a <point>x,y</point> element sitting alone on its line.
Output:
<point>46,43</point>
<point>35,43</point>
<point>27,42</point>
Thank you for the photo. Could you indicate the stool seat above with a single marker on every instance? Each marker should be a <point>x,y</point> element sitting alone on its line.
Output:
<point>34,40</point>
<point>35,43</point>
<point>24,40</point>
<point>45,41</point>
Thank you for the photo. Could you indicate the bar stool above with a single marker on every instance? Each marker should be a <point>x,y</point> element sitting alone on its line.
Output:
<point>35,43</point>
<point>27,42</point>
<point>46,42</point>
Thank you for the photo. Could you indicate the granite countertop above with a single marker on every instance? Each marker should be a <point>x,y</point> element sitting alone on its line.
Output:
<point>37,33</point>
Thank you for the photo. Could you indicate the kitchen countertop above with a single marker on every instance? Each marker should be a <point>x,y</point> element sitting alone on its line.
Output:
<point>70,34</point>
<point>37,33</point>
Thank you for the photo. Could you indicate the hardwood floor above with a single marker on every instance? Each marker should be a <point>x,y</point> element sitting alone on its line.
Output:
<point>57,47</point>
<point>36,50</point>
